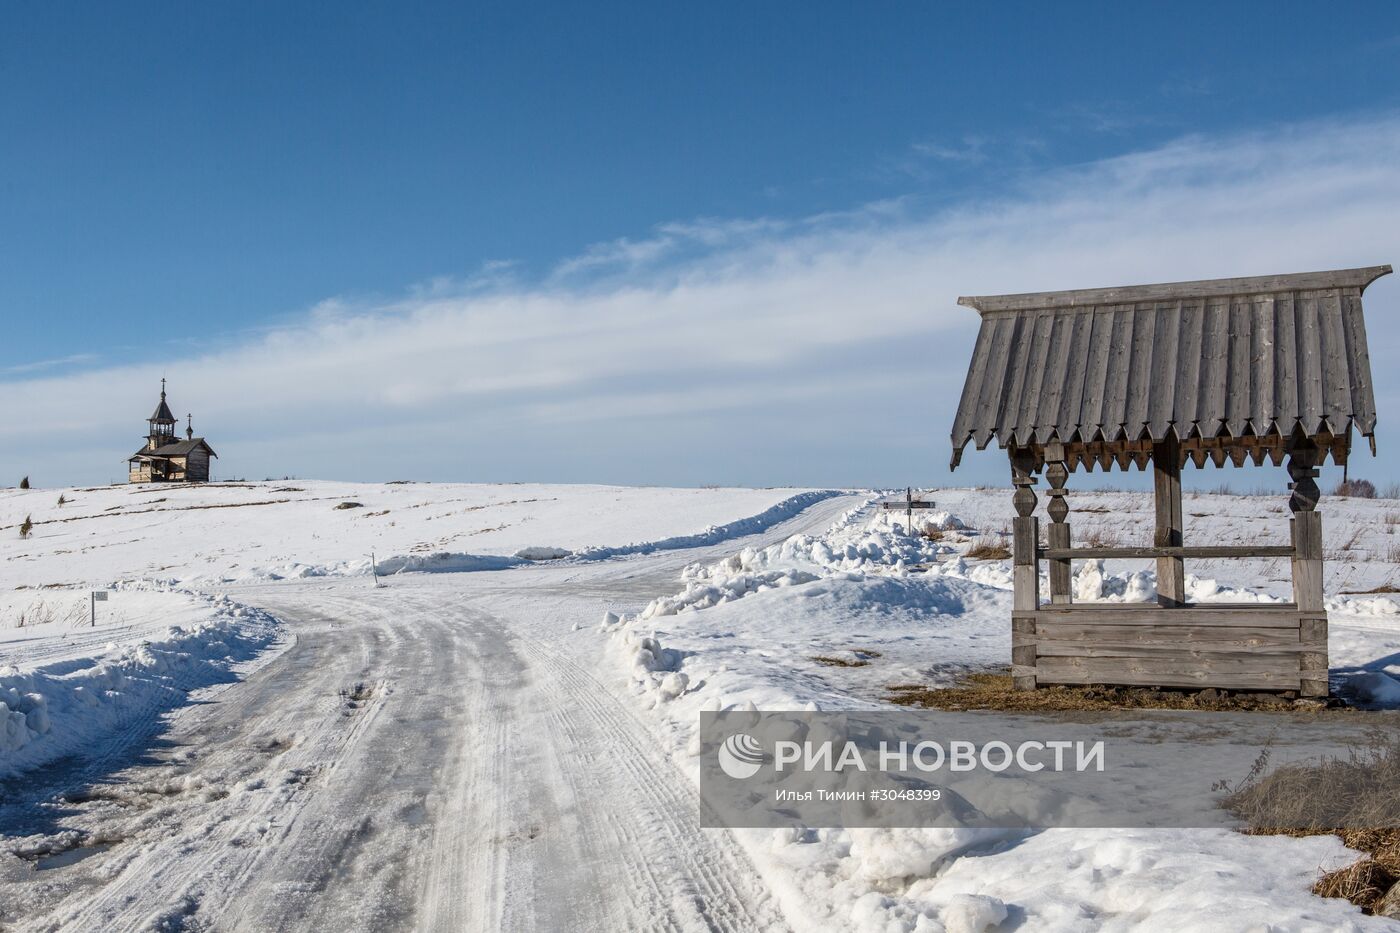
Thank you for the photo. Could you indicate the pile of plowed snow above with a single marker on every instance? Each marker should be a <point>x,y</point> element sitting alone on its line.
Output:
<point>76,690</point>
<point>831,621</point>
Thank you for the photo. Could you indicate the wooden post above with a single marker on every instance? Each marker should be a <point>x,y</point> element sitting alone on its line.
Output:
<point>1025,573</point>
<point>1057,535</point>
<point>1166,476</point>
<point>1306,527</point>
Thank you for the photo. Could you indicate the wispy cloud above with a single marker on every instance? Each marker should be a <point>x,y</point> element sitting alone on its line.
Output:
<point>823,350</point>
<point>40,365</point>
<point>969,149</point>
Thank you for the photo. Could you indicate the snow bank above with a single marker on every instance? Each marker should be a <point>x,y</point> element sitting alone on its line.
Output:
<point>1374,688</point>
<point>828,622</point>
<point>718,534</point>
<point>76,705</point>
<point>543,553</point>
<point>459,562</point>
<point>1383,606</point>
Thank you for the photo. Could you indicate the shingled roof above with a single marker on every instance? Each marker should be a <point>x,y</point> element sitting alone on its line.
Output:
<point>174,449</point>
<point>1214,361</point>
<point>162,413</point>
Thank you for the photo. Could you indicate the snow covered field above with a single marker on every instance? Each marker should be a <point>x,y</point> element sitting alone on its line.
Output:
<point>256,736</point>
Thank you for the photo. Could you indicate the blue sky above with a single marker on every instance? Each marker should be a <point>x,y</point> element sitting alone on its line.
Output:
<point>638,214</point>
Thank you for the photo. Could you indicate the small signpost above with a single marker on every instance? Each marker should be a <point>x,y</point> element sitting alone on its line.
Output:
<point>908,505</point>
<point>98,596</point>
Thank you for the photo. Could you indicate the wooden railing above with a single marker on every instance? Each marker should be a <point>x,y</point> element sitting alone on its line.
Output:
<point>1109,553</point>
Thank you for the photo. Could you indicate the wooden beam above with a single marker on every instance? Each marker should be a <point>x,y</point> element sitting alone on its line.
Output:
<point>1138,553</point>
<point>1025,570</point>
<point>1166,477</point>
<point>1058,534</point>
<point>1174,291</point>
<point>1023,652</point>
<point>1148,615</point>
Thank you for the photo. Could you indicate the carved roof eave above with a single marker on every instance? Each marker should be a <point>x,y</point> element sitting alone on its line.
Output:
<point>1123,453</point>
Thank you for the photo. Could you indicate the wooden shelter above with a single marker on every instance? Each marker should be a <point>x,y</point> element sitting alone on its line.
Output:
<point>163,459</point>
<point>1225,370</point>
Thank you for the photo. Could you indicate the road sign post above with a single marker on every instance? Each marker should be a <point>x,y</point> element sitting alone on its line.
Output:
<point>97,596</point>
<point>908,506</point>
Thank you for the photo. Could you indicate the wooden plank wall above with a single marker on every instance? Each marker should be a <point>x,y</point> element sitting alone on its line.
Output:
<point>1233,648</point>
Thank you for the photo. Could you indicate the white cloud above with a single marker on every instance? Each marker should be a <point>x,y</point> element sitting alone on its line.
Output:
<point>39,365</point>
<point>970,149</point>
<point>824,350</point>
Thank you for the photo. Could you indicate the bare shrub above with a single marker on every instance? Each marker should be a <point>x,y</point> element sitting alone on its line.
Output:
<point>43,612</point>
<point>1356,489</point>
<point>1102,537</point>
<point>26,527</point>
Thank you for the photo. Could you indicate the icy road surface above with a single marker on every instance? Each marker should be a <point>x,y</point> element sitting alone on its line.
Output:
<point>441,753</point>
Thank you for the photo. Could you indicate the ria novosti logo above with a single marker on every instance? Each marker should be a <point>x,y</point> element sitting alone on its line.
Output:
<point>740,756</point>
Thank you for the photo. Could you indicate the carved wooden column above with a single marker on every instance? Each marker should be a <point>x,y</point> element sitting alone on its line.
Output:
<point>1057,535</point>
<point>1307,567</point>
<point>1025,572</point>
<point>1166,487</point>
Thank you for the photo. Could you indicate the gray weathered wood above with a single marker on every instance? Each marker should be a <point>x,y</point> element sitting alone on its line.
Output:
<point>1199,551</point>
<point>1058,534</point>
<point>1171,291</point>
<point>1056,648</point>
<point>1223,637</point>
<point>1166,474</point>
<point>1223,371</point>
<point>1025,573</point>
<point>1103,365</point>
<point>1199,667</point>
<point>1307,564</point>
<point>1111,671</point>
<point>1148,614</point>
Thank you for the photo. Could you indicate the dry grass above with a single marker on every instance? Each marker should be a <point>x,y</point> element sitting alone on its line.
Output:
<point>989,690</point>
<point>1364,883</point>
<point>42,612</point>
<point>1310,800</point>
<point>987,549</point>
<point>1102,537</point>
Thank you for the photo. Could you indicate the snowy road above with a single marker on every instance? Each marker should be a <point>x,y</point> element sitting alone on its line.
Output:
<point>447,752</point>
